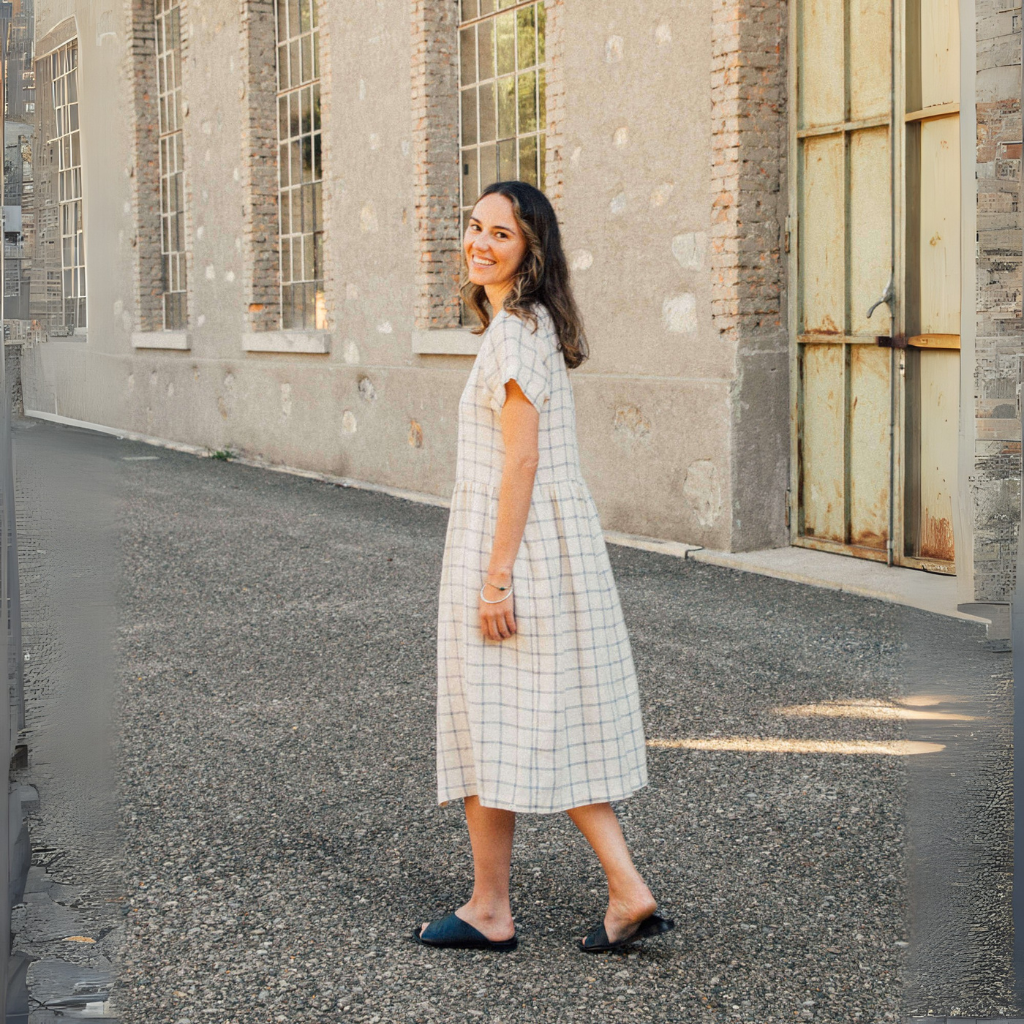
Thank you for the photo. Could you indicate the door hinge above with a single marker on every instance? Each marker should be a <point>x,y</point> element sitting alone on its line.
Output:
<point>786,233</point>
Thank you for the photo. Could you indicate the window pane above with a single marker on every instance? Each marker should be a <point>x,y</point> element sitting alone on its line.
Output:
<point>286,213</point>
<point>542,109</point>
<point>506,107</point>
<point>307,58</point>
<point>542,18</point>
<point>293,17</point>
<point>470,182</point>
<point>526,45</point>
<point>505,30</point>
<point>469,136</point>
<point>486,7</point>
<point>528,102</point>
<point>305,23</point>
<point>470,9</point>
<point>542,152</point>
<point>485,43</point>
<point>282,67</point>
<point>282,116</point>
<point>295,63</point>
<point>467,45</point>
<point>286,260</point>
<point>306,113</point>
<point>316,108</point>
<point>507,160</point>
<point>528,160</point>
<point>282,165</point>
<point>488,166</point>
<point>487,117</point>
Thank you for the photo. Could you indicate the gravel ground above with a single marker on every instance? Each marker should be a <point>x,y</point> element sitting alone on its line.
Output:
<point>277,780</point>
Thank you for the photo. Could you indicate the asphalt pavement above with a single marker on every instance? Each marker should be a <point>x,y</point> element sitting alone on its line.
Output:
<point>276,790</point>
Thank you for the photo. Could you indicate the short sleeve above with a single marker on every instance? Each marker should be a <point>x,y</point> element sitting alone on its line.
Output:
<point>518,352</point>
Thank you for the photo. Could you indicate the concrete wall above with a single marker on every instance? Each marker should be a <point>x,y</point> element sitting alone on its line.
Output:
<point>682,416</point>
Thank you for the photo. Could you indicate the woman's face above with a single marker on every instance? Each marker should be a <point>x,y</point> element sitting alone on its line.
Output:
<point>494,244</point>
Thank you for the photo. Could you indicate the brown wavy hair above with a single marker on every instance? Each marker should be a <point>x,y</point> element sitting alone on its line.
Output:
<point>543,275</point>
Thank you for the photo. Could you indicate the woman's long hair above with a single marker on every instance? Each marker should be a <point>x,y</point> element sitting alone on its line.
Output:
<point>543,276</point>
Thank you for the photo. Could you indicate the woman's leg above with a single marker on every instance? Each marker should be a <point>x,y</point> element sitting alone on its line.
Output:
<point>629,899</point>
<point>490,833</point>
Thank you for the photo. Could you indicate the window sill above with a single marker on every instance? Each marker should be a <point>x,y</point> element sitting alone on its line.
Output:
<point>310,342</point>
<point>446,342</point>
<point>162,339</point>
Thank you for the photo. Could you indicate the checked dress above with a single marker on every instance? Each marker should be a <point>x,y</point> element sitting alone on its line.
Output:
<point>548,719</point>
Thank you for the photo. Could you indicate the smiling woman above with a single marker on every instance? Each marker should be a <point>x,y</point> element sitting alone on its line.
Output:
<point>538,705</point>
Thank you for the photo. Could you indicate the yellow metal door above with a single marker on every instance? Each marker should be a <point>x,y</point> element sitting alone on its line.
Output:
<point>875,198</point>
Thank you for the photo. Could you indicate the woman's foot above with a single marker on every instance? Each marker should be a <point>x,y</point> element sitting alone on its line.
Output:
<point>493,922</point>
<point>626,910</point>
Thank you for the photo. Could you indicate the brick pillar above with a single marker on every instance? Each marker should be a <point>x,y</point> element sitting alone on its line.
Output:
<point>748,146</point>
<point>435,111</point>
<point>261,234</point>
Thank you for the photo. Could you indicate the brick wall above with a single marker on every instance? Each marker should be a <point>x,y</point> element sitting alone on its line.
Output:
<point>259,166</point>
<point>554,186</point>
<point>140,73</point>
<point>748,274</point>
<point>995,480</point>
<point>435,113</point>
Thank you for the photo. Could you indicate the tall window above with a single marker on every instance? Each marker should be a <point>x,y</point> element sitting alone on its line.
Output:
<point>501,45</point>
<point>172,179</point>
<point>64,79</point>
<point>300,165</point>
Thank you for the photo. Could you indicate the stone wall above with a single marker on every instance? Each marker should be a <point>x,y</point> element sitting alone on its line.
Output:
<point>995,480</point>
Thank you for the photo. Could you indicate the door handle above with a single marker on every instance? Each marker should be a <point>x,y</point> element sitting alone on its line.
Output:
<point>888,298</point>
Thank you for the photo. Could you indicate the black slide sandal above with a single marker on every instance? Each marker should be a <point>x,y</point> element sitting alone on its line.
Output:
<point>597,940</point>
<point>452,932</point>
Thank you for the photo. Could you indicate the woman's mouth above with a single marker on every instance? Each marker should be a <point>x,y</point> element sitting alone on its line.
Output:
<point>482,261</point>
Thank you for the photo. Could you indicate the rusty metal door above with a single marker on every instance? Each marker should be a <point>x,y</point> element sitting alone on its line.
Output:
<point>874,244</point>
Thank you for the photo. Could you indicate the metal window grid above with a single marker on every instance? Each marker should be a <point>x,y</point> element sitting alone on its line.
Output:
<point>502,95</point>
<point>172,176</point>
<point>64,86</point>
<point>300,165</point>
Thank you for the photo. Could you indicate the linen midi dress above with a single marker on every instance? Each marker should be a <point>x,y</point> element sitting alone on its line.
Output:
<point>548,719</point>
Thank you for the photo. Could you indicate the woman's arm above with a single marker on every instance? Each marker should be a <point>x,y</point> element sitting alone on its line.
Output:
<point>519,427</point>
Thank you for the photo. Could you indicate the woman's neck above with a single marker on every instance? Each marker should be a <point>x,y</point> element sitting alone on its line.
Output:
<point>496,295</point>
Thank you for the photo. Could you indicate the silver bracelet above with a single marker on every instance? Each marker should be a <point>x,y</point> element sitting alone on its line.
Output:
<point>500,599</point>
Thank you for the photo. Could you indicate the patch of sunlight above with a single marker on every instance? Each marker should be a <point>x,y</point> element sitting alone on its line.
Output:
<point>779,745</point>
<point>870,709</point>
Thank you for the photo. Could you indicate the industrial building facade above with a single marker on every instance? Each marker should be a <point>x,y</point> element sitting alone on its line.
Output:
<point>793,229</point>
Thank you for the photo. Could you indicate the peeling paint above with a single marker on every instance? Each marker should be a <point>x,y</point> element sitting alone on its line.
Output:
<point>702,492</point>
<point>200,231</point>
<point>385,327</point>
<point>368,218</point>
<point>351,353</point>
<point>374,140</point>
<point>211,272</point>
<point>630,420</point>
<point>660,195</point>
<point>679,314</point>
<point>118,307</point>
<point>229,276</point>
<point>663,34</point>
<point>351,291</point>
<point>575,158</point>
<point>621,136</point>
<point>618,203</point>
<point>690,249</point>
<point>367,391</point>
<point>582,260</point>
<point>415,434</point>
<point>131,381</point>
<point>286,400</point>
<point>170,389</point>
<point>613,49</point>
<point>348,422</point>
<point>201,319</point>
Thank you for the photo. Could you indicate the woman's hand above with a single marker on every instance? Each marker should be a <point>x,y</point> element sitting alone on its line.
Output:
<point>497,621</point>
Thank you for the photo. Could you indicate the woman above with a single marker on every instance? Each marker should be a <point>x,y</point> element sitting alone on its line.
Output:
<point>538,709</point>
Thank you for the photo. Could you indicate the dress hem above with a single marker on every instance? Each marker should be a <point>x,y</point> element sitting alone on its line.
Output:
<point>615,797</point>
